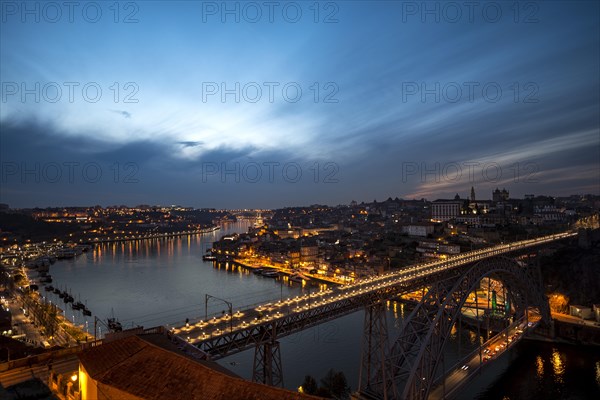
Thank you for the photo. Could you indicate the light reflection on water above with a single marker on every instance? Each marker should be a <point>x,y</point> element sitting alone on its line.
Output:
<point>561,371</point>
<point>539,363</point>
<point>163,281</point>
<point>558,365</point>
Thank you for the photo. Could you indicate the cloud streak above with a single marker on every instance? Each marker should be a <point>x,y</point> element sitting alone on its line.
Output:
<point>354,109</point>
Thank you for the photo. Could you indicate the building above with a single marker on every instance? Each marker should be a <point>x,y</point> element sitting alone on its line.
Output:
<point>421,230</point>
<point>445,210</point>
<point>582,312</point>
<point>152,367</point>
<point>309,254</point>
<point>435,249</point>
<point>499,195</point>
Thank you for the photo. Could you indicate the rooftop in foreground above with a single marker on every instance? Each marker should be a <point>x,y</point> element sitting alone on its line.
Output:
<point>151,367</point>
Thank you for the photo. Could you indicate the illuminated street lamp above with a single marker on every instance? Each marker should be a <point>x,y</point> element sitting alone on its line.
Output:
<point>229,304</point>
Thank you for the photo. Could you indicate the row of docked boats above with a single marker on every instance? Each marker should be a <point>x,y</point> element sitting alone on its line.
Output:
<point>68,298</point>
<point>41,263</point>
<point>72,251</point>
<point>44,261</point>
<point>266,272</point>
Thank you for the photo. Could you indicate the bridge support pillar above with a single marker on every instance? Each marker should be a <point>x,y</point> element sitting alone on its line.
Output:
<point>374,374</point>
<point>267,364</point>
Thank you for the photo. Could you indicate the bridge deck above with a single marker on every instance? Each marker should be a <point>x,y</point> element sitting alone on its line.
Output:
<point>470,365</point>
<point>224,335</point>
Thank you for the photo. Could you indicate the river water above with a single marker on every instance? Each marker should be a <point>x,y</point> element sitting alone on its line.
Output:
<point>165,281</point>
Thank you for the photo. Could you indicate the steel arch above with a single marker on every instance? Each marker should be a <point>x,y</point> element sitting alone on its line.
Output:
<point>416,354</point>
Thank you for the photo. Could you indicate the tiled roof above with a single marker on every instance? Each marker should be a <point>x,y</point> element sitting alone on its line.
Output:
<point>147,370</point>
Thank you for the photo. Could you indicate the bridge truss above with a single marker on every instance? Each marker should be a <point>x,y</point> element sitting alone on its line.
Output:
<point>406,368</point>
<point>410,366</point>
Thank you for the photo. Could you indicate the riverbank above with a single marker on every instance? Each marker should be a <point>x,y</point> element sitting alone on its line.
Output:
<point>286,271</point>
<point>568,332</point>
<point>155,236</point>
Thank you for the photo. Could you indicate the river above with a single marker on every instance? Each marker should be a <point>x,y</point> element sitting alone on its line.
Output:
<point>164,281</point>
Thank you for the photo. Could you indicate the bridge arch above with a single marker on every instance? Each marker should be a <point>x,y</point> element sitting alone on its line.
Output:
<point>416,354</point>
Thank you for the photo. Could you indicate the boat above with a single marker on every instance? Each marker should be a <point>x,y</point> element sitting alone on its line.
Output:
<point>78,305</point>
<point>298,277</point>
<point>56,291</point>
<point>86,310</point>
<point>208,257</point>
<point>270,274</point>
<point>85,247</point>
<point>49,288</point>
<point>65,253</point>
<point>257,271</point>
<point>114,325</point>
<point>67,298</point>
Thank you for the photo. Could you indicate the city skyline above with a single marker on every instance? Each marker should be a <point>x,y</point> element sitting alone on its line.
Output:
<point>366,200</point>
<point>184,104</point>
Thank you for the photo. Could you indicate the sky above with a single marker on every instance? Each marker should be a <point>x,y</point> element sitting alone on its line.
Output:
<point>274,104</point>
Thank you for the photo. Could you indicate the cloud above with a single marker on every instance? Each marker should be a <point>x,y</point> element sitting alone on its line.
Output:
<point>191,144</point>
<point>370,133</point>
<point>123,113</point>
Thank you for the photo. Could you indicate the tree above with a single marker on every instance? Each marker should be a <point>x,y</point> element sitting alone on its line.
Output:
<point>322,392</point>
<point>309,386</point>
<point>336,384</point>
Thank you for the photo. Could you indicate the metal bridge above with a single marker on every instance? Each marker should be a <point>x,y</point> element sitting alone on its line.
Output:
<point>392,368</point>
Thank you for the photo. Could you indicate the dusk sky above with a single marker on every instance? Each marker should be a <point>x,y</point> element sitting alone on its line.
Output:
<point>264,105</point>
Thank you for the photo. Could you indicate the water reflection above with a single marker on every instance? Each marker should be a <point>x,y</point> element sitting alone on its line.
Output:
<point>155,282</point>
<point>558,366</point>
<point>561,371</point>
<point>539,367</point>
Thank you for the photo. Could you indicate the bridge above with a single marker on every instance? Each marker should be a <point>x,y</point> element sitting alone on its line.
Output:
<point>406,367</point>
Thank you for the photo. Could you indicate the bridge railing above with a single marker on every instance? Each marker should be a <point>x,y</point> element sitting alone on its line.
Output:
<point>402,274</point>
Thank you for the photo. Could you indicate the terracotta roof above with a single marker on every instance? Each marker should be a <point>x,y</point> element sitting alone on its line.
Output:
<point>145,369</point>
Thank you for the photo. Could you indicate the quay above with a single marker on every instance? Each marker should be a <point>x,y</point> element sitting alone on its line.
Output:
<point>154,236</point>
<point>283,270</point>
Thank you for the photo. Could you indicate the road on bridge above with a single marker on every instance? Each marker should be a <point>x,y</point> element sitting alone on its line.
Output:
<point>219,326</point>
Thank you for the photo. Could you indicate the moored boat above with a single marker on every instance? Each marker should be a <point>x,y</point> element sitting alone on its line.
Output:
<point>114,325</point>
<point>298,277</point>
<point>270,274</point>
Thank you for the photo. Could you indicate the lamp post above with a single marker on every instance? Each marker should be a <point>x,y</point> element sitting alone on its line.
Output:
<point>229,304</point>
